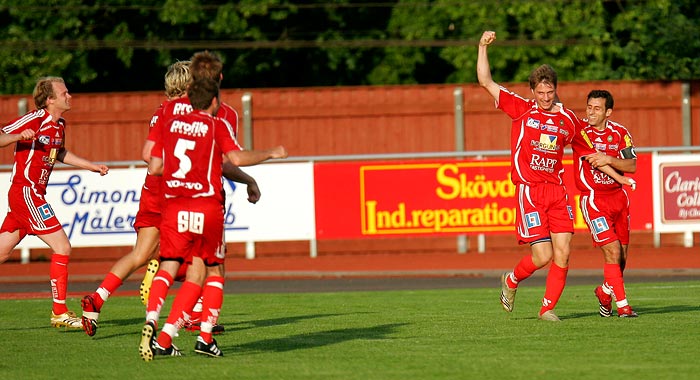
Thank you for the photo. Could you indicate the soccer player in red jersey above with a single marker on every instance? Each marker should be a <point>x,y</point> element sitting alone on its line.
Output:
<point>40,141</point>
<point>148,217</point>
<point>540,130</point>
<point>604,203</point>
<point>203,65</point>
<point>189,155</point>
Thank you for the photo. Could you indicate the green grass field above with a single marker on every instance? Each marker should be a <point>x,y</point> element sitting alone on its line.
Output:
<point>427,334</point>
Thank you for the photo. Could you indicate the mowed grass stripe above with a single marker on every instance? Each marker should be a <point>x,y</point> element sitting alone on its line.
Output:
<point>422,334</point>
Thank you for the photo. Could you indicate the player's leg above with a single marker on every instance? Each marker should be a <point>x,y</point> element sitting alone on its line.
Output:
<point>8,242</point>
<point>183,303</point>
<point>561,224</point>
<point>213,298</point>
<point>532,228</point>
<point>556,277</point>
<point>61,316</point>
<point>196,315</point>
<point>147,239</point>
<point>162,281</point>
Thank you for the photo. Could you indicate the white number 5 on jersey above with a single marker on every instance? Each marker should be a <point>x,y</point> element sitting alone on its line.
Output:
<point>181,149</point>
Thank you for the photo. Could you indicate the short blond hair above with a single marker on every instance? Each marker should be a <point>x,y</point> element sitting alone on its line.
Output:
<point>44,90</point>
<point>177,78</point>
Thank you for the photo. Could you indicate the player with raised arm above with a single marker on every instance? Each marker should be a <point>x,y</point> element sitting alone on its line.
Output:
<point>540,130</point>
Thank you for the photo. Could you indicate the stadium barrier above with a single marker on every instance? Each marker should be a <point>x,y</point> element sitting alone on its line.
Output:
<point>457,194</point>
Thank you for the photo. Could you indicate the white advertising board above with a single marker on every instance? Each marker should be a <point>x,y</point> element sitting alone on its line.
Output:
<point>99,211</point>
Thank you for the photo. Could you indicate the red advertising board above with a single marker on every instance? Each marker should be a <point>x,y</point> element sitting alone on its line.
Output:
<point>370,199</point>
<point>680,192</point>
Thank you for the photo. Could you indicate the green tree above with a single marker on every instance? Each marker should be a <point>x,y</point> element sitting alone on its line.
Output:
<point>657,40</point>
<point>116,45</point>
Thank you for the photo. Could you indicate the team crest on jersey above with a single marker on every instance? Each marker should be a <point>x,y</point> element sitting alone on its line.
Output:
<point>599,225</point>
<point>610,138</point>
<point>43,139</point>
<point>533,123</point>
<point>533,219</point>
<point>561,122</point>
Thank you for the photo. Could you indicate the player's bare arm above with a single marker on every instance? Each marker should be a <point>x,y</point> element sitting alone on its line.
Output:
<point>11,138</point>
<point>146,150</point>
<point>234,173</point>
<point>155,166</point>
<point>621,179</point>
<point>254,157</point>
<point>483,68</point>
<point>69,158</point>
<point>625,165</point>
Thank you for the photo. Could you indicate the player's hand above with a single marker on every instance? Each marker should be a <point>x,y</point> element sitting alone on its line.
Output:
<point>253,193</point>
<point>630,182</point>
<point>487,38</point>
<point>279,152</point>
<point>102,169</point>
<point>27,134</point>
<point>598,159</point>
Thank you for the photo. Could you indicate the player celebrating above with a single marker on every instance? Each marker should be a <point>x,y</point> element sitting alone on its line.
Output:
<point>148,217</point>
<point>604,203</point>
<point>188,154</point>
<point>40,142</point>
<point>540,130</point>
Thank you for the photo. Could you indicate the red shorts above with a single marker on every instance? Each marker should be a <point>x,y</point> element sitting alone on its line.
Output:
<point>543,208</point>
<point>29,213</point>
<point>150,209</point>
<point>192,227</point>
<point>608,216</point>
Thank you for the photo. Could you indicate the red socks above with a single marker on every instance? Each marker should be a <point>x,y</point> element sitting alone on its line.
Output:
<point>58,276</point>
<point>213,294</point>
<point>613,277</point>
<point>556,280</point>
<point>523,270</point>
<point>159,290</point>
<point>108,286</point>
<point>184,302</point>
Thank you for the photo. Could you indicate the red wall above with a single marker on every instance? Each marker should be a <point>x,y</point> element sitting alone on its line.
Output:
<point>365,120</point>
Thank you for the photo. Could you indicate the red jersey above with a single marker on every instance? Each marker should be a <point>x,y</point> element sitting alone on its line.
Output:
<point>181,106</point>
<point>611,141</point>
<point>192,146</point>
<point>34,159</point>
<point>538,138</point>
<point>152,182</point>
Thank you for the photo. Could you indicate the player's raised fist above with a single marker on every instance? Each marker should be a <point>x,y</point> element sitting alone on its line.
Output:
<point>487,38</point>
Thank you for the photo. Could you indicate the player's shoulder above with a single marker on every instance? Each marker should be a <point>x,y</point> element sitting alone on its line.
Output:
<point>34,116</point>
<point>510,94</point>
<point>617,126</point>
<point>227,112</point>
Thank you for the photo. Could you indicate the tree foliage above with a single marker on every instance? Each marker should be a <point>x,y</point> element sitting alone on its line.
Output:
<point>117,45</point>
